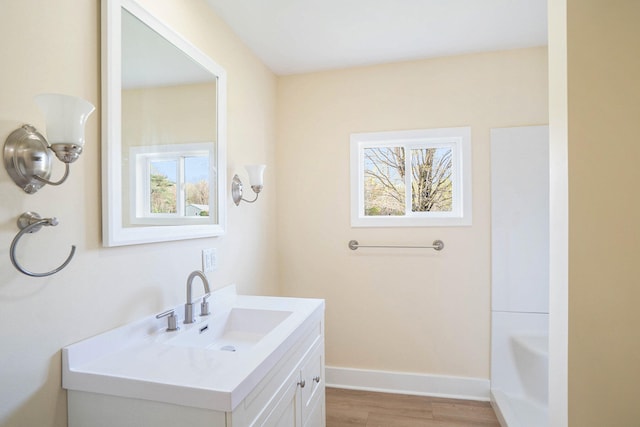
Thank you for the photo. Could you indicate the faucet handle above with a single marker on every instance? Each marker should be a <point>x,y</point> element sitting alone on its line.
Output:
<point>204,306</point>
<point>172,319</point>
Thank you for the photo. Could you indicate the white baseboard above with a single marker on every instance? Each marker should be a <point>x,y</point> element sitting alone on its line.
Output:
<point>408,383</point>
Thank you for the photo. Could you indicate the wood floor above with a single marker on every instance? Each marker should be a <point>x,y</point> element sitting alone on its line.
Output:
<point>348,408</point>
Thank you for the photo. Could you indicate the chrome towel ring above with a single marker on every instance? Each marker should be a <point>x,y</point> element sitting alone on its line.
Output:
<point>31,222</point>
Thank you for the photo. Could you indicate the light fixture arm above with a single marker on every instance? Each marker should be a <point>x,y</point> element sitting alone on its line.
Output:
<point>256,198</point>
<point>250,201</point>
<point>63,179</point>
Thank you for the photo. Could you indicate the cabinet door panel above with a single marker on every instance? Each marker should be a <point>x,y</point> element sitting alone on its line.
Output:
<point>315,416</point>
<point>285,413</point>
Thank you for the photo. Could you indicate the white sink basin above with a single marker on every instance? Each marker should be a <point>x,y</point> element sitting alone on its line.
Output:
<point>233,330</point>
<point>210,364</point>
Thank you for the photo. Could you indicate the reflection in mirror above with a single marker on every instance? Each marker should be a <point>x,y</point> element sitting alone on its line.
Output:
<point>165,168</point>
<point>168,105</point>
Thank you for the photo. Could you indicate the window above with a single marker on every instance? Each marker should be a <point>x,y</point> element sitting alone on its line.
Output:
<point>411,178</point>
<point>171,181</point>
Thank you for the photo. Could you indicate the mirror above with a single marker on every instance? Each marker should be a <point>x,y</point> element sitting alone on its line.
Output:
<point>164,116</point>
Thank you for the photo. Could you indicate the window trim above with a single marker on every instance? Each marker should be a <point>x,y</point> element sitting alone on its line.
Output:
<point>459,138</point>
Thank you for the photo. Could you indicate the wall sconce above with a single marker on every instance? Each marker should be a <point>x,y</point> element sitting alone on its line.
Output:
<point>27,154</point>
<point>256,173</point>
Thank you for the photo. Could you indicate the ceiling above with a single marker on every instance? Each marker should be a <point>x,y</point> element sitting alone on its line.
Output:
<point>299,36</point>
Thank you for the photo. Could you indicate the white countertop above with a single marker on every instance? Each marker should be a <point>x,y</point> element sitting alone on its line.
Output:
<point>134,361</point>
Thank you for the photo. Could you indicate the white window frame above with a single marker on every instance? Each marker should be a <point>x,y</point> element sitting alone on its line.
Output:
<point>140,160</point>
<point>458,138</point>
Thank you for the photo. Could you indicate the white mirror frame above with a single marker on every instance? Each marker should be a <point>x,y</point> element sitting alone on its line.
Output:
<point>113,231</point>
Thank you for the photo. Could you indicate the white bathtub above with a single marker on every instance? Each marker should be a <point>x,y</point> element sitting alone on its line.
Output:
<point>531,353</point>
<point>520,369</point>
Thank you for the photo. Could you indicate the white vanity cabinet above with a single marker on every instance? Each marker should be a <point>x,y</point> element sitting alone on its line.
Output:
<point>301,401</point>
<point>132,377</point>
<point>294,392</point>
<point>279,399</point>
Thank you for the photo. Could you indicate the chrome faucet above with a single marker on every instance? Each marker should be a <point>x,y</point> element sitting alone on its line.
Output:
<point>204,306</point>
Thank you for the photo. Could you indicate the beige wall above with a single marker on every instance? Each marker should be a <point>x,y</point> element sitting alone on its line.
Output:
<point>169,115</point>
<point>396,310</point>
<point>55,46</point>
<point>603,41</point>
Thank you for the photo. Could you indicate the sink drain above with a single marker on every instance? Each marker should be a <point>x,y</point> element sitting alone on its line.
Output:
<point>228,348</point>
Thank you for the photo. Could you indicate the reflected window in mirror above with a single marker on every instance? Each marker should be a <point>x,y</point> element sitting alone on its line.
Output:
<point>172,182</point>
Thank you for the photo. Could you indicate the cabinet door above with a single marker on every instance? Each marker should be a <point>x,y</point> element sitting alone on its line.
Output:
<point>315,415</point>
<point>285,413</point>
<point>312,373</point>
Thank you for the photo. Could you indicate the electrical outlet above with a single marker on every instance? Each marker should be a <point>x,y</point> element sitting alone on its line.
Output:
<point>209,260</point>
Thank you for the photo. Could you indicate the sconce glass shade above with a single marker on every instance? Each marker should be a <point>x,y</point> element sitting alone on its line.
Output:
<point>65,119</point>
<point>256,175</point>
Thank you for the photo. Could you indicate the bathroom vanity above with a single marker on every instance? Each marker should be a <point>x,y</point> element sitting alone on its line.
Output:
<point>255,361</point>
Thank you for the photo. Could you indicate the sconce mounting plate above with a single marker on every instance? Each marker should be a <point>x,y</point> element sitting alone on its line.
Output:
<point>26,154</point>
<point>236,190</point>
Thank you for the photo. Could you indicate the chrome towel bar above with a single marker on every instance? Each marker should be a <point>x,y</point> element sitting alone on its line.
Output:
<point>437,245</point>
